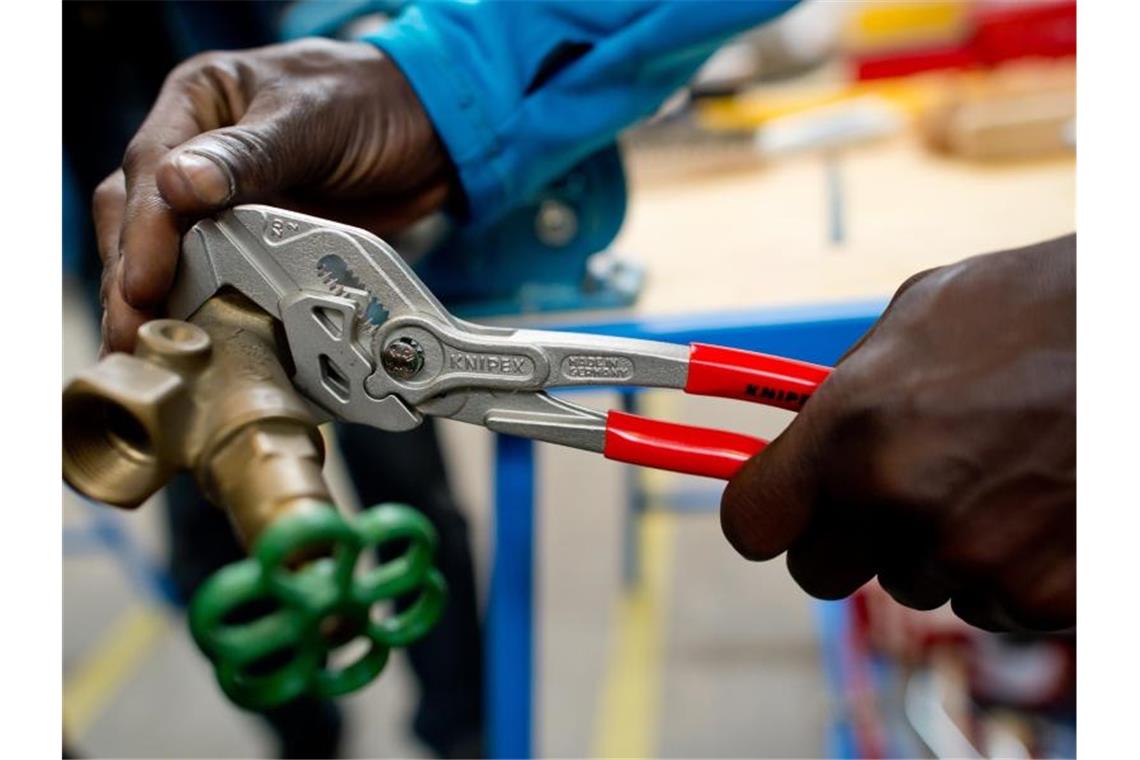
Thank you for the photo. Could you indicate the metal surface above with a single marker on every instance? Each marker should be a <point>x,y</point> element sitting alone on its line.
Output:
<point>403,358</point>
<point>209,396</point>
<point>556,224</point>
<point>351,308</point>
<point>329,284</point>
<point>212,396</point>
<point>531,415</point>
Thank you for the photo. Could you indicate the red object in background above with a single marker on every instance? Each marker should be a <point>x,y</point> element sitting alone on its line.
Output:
<point>998,34</point>
<point>905,634</point>
<point>914,62</point>
<point>1047,30</point>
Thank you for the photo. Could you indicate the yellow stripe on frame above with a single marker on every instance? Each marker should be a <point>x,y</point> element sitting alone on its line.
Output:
<point>631,695</point>
<point>115,658</point>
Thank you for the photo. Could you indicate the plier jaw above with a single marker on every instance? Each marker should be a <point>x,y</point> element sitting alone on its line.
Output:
<point>371,344</point>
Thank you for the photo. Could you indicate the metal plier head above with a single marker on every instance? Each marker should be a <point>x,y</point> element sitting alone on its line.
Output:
<point>371,344</point>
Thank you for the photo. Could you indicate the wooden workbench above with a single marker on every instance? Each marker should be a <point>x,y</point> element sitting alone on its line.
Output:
<point>718,229</point>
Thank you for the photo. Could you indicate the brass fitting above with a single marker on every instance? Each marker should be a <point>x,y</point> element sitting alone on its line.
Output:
<point>210,396</point>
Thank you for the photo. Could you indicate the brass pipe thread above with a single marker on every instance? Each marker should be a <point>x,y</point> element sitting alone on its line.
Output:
<point>210,396</point>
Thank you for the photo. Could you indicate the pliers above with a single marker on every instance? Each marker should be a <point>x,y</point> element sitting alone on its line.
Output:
<point>371,344</point>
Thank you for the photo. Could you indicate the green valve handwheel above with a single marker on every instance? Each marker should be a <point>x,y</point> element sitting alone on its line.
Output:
<point>269,629</point>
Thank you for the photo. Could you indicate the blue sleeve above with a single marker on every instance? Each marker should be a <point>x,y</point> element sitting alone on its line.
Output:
<point>521,92</point>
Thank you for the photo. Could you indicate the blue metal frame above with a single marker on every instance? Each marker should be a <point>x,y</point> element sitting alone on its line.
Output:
<point>818,333</point>
<point>832,625</point>
<point>509,634</point>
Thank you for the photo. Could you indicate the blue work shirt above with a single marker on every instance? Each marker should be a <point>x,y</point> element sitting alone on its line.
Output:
<point>521,92</point>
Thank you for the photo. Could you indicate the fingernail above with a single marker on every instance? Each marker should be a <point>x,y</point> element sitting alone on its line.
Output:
<point>206,178</point>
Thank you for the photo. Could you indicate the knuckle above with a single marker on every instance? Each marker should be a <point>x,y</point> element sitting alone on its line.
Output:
<point>216,78</point>
<point>907,312</point>
<point>219,72</point>
<point>917,585</point>
<point>138,154</point>
<point>106,192</point>
<point>915,279</point>
<point>977,609</point>
<point>197,65</point>
<point>317,53</point>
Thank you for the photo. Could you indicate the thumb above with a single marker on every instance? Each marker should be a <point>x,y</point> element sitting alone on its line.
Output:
<point>768,504</point>
<point>247,162</point>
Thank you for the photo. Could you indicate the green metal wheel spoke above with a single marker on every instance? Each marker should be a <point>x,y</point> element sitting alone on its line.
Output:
<point>413,623</point>
<point>223,593</point>
<point>281,654</point>
<point>388,524</point>
<point>335,683</point>
<point>248,643</point>
<point>283,685</point>
<point>310,531</point>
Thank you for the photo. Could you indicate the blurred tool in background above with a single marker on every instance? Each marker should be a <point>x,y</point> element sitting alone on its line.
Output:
<point>985,80</point>
<point>928,684</point>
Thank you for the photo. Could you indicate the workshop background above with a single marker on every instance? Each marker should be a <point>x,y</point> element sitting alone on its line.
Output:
<point>815,163</point>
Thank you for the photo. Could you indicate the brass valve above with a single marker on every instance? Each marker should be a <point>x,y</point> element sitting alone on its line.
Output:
<point>209,395</point>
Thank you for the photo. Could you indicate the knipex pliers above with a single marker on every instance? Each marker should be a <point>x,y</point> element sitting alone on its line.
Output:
<point>371,344</point>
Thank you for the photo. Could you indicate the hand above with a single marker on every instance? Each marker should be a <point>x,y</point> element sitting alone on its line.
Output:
<point>322,127</point>
<point>941,453</point>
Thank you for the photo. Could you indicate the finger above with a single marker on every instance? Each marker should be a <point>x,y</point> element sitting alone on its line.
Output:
<point>907,559</point>
<point>252,161</point>
<point>770,502</point>
<point>981,610</point>
<point>919,584</point>
<point>833,558</point>
<point>149,243</point>
<point>151,231</point>
<point>121,321</point>
<point>107,207</point>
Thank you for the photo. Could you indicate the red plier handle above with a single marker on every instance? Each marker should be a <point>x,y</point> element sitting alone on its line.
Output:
<point>713,371</point>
